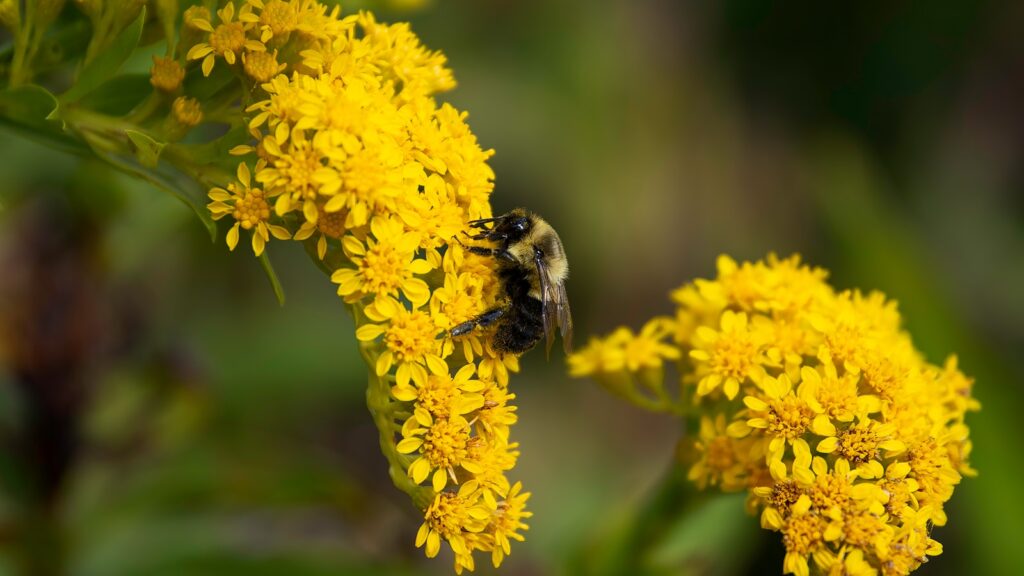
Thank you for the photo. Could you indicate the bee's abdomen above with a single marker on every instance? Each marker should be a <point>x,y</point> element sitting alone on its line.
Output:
<point>522,326</point>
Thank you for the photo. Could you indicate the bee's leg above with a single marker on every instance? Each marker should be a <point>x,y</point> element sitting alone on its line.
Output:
<point>481,222</point>
<point>499,254</point>
<point>483,320</point>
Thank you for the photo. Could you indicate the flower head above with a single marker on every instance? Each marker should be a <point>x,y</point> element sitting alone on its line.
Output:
<point>352,156</point>
<point>166,74</point>
<point>848,440</point>
<point>226,40</point>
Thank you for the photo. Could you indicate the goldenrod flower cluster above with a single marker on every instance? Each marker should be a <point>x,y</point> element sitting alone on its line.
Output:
<point>352,155</point>
<point>816,402</point>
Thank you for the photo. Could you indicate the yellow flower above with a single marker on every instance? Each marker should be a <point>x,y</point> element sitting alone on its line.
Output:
<point>385,266</point>
<point>276,18</point>
<point>451,516</point>
<point>507,521</point>
<point>803,535</point>
<point>497,413</point>
<point>166,74</point>
<point>837,395</point>
<point>862,445</point>
<point>817,368</point>
<point>444,447</point>
<point>226,40</point>
<point>729,356</point>
<point>328,224</point>
<point>648,349</point>
<point>249,208</point>
<point>600,355</point>
<point>187,111</point>
<point>722,457</point>
<point>495,457</point>
<point>351,147</point>
<point>261,65</point>
<point>442,395</point>
<point>416,71</point>
<point>783,417</point>
<point>410,339</point>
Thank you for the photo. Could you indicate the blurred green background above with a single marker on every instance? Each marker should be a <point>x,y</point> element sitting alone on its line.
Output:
<point>171,418</point>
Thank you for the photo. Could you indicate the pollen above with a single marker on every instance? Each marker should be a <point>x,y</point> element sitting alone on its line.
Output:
<point>228,37</point>
<point>411,335</point>
<point>384,268</point>
<point>437,396</point>
<point>863,530</point>
<point>448,514</point>
<point>831,491</point>
<point>845,343</point>
<point>444,444</point>
<point>858,444</point>
<point>331,224</point>
<point>251,209</point>
<point>885,377</point>
<point>788,417</point>
<point>803,534</point>
<point>784,494</point>
<point>295,171</point>
<point>733,356</point>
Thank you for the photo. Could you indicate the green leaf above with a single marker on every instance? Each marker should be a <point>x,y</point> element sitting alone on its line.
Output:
<point>203,88</point>
<point>29,104</point>
<point>109,61</point>
<point>30,111</point>
<point>272,276</point>
<point>119,95</point>
<point>147,150</point>
<point>161,175</point>
<point>716,531</point>
<point>217,151</point>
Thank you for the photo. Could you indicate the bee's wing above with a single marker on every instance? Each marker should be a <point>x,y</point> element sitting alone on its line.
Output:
<point>555,308</point>
<point>564,318</point>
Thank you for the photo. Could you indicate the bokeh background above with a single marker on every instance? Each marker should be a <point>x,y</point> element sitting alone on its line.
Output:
<point>160,413</point>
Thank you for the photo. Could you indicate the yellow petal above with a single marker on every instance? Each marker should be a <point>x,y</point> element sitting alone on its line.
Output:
<point>828,445</point>
<point>433,544</point>
<point>440,480</point>
<point>755,404</point>
<point>822,426</point>
<point>258,243</point>
<point>409,445</point>
<point>232,237</point>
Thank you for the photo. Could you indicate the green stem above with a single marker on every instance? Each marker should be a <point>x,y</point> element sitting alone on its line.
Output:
<point>625,551</point>
<point>22,49</point>
<point>378,400</point>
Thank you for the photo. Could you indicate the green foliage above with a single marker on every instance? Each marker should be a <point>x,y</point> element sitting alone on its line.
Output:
<point>108,62</point>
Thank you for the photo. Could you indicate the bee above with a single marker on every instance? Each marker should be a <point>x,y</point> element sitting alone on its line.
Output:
<point>532,270</point>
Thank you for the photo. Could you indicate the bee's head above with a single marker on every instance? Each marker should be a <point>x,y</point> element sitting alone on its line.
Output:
<point>511,227</point>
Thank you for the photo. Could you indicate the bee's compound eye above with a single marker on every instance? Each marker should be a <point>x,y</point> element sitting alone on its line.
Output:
<point>520,224</point>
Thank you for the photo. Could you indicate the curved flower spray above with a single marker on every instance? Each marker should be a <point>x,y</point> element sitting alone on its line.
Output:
<point>848,442</point>
<point>352,155</point>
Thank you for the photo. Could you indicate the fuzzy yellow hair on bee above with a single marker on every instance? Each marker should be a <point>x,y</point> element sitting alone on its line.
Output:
<point>532,270</point>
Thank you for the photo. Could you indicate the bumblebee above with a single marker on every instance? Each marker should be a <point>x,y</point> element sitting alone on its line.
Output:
<point>532,270</point>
